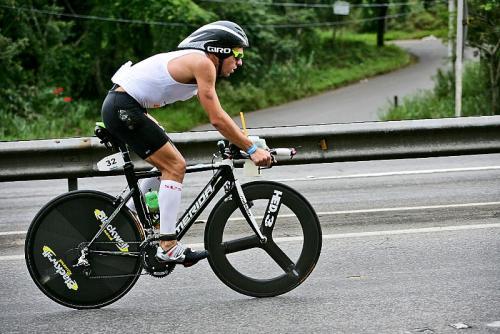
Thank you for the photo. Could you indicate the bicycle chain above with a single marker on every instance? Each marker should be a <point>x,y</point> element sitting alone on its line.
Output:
<point>116,276</point>
<point>115,243</point>
<point>130,275</point>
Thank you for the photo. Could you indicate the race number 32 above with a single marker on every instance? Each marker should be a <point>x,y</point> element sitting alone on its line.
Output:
<point>111,162</point>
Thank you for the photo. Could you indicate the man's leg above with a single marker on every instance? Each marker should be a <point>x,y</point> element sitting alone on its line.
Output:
<point>173,167</point>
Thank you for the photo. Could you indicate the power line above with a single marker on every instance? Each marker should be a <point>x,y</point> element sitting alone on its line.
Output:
<point>328,23</point>
<point>97,18</point>
<point>311,5</point>
<point>275,26</point>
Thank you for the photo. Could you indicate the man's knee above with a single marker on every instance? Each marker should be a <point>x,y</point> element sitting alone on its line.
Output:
<point>174,168</point>
<point>180,166</point>
<point>170,162</point>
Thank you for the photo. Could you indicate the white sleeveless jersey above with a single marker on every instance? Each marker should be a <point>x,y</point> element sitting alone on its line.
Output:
<point>150,83</point>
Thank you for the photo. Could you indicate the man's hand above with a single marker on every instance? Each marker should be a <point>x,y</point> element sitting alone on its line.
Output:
<point>261,158</point>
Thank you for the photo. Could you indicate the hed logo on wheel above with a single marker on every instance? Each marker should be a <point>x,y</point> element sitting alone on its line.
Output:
<point>273,208</point>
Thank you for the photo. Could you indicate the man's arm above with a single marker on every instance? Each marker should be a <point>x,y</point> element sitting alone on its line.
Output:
<point>205,74</point>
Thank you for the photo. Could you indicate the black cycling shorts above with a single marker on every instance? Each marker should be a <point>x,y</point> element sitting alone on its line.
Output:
<point>126,119</point>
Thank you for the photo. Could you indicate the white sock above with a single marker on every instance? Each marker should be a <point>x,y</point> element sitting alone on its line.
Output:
<point>169,198</point>
<point>152,183</point>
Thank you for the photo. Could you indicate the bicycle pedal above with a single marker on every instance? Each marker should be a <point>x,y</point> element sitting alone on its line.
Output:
<point>195,259</point>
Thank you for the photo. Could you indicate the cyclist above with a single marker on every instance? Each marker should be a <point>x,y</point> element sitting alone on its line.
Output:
<point>214,50</point>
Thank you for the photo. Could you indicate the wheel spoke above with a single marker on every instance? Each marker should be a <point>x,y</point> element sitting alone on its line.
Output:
<point>241,244</point>
<point>281,258</point>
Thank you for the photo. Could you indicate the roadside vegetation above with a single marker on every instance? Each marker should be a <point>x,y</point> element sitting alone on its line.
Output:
<point>480,79</point>
<point>57,69</point>
<point>440,101</point>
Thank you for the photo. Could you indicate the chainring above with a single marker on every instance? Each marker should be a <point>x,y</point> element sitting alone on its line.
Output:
<point>151,265</point>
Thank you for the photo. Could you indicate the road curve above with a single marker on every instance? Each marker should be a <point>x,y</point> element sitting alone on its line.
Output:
<point>358,102</point>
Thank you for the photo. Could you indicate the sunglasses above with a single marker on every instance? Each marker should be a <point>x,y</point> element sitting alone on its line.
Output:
<point>237,54</point>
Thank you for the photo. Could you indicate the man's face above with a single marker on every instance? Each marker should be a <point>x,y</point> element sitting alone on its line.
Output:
<point>232,62</point>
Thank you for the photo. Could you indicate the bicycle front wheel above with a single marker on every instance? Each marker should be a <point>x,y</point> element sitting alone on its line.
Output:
<point>256,269</point>
<point>55,239</point>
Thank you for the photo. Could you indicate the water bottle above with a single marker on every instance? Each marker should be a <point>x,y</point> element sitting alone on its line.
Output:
<point>152,201</point>
<point>249,168</point>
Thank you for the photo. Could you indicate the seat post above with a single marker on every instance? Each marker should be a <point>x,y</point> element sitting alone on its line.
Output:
<point>132,181</point>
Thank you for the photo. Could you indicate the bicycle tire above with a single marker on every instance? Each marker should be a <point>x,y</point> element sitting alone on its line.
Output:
<point>252,275</point>
<point>51,250</point>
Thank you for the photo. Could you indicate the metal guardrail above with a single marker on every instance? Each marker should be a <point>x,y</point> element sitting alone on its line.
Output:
<point>74,158</point>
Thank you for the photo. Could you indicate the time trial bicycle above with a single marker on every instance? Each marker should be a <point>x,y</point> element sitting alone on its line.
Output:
<point>85,249</point>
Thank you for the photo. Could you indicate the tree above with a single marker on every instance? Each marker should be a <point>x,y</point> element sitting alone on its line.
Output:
<point>484,34</point>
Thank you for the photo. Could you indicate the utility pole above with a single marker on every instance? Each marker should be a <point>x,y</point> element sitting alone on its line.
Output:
<point>459,59</point>
<point>451,25</point>
<point>382,12</point>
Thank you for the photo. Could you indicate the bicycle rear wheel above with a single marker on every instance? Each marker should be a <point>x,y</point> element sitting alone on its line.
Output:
<point>282,263</point>
<point>52,249</point>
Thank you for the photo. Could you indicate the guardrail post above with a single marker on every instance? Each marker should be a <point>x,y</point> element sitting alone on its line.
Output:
<point>72,184</point>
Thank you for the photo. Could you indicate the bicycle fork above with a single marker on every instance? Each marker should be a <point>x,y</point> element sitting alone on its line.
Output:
<point>245,209</point>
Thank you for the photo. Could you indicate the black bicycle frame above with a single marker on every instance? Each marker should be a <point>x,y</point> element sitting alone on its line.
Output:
<point>223,175</point>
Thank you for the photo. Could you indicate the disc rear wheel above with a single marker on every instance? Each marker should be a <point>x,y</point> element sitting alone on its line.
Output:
<point>62,229</point>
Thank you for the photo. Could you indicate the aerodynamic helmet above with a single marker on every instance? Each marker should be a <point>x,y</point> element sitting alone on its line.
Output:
<point>217,38</point>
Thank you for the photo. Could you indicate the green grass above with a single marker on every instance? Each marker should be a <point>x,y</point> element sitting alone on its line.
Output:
<point>404,35</point>
<point>371,38</point>
<point>42,114</point>
<point>440,102</point>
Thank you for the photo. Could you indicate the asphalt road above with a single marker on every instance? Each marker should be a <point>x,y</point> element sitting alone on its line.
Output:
<point>407,283</point>
<point>410,246</point>
<point>332,187</point>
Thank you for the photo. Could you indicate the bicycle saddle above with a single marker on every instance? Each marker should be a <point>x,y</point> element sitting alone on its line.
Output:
<point>106,137</point>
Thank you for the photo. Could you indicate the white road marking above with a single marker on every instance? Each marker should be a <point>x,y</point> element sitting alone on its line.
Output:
<point>410,172</point>
<point>403,208</point>
<point>410,208</point>
<point>412,231</point>
<point>12,257</point>
<point>330,213</point>
<point>350,235</point>
<point>494,324</point>
<point>12,233</point>
<point>396,232</point>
